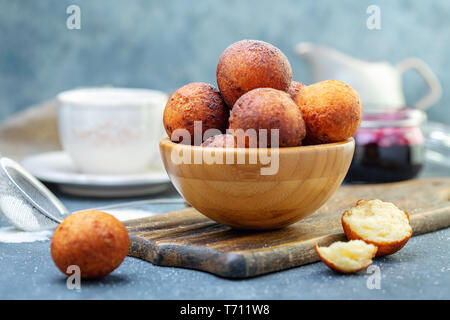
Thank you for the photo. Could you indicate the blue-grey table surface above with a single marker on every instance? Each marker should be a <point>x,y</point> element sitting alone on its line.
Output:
<point>421,270</point>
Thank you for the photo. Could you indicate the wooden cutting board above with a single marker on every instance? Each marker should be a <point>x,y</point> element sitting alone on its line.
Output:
<point>188,239</point>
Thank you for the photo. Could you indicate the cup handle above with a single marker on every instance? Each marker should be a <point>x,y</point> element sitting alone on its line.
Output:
<point>430,78</point>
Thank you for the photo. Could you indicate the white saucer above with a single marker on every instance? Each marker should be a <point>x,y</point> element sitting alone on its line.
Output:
<point>57,168</point>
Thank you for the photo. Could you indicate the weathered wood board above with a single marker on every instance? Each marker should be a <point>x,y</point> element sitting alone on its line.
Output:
<point>188,239</point>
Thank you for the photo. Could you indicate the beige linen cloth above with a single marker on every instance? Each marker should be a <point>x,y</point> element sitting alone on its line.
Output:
<point>32,131</point>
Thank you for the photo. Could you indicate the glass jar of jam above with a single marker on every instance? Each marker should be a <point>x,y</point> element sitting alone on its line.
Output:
<point>389,147</point>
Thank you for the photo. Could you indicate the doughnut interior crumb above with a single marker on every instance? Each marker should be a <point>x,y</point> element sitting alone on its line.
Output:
<point>378,221</point>
<point>347,257</point>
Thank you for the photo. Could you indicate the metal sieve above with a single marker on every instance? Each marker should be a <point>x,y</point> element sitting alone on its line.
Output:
<point>29,206</point>
<point>25,202</point>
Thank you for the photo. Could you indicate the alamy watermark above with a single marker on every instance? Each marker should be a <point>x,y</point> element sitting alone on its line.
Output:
<point>73,21</point>
<point>373,22</point>
<point>73,282</point>
<point>266,155</point>
<point>374,280</point>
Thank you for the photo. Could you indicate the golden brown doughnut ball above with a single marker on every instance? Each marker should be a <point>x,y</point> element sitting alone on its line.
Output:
<point>93,240</point>
<point>251,64</point>
<point>294,88</point>
<point>332,111</point>
<point>268,108</point>
<point>220,141</point>
<point>195,101</point>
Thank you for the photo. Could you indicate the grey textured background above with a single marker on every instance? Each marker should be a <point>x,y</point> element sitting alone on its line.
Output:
<point>165,44</point>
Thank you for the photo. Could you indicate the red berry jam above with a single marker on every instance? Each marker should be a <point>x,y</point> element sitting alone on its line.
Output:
<point>389,147</point>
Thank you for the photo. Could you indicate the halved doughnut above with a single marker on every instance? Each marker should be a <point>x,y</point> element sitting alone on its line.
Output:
<point>347,257</point>
<point>379,223</point>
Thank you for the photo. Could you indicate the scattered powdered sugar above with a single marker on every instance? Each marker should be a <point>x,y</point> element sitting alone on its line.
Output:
<point>129,214</point>
<point>13,235</point>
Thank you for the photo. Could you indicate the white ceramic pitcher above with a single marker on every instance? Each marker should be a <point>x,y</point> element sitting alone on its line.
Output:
<point>378,83</point>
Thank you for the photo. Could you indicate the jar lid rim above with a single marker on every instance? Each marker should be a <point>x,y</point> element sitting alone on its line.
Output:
<point>408,118</point>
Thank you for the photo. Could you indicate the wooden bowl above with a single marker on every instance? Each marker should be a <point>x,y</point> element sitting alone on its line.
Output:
<point>239,195</point>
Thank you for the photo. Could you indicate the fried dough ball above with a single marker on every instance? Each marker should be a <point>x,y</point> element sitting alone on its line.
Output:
<point>249,64</point>
<point>347,257</point>
<point>379,223</point>
<point>93,240</point>
<point>220,141</point>
<point>267,108</point>
<point>332,111</point>
<point>195,101</point>
<point>295,88</point>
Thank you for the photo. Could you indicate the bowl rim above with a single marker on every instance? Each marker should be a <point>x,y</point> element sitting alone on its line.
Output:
<point>167,143</point>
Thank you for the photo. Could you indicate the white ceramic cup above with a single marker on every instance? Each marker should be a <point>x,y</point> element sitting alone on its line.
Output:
<point>111,130</point>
